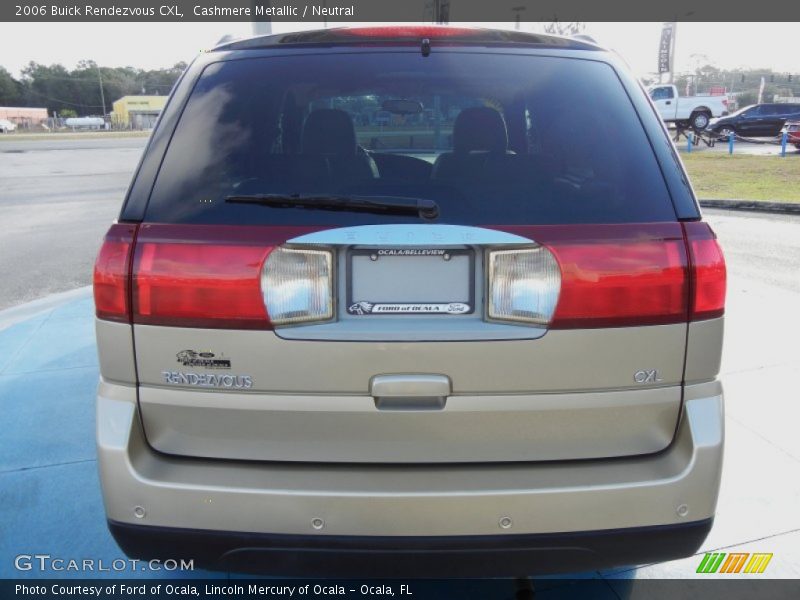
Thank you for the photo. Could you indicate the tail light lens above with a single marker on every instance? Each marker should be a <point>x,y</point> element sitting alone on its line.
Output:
<point>188,285</point>
<point>189,276</point>
<point>621,283</point>
<point>227,277</point>
<point>111,274</point>
<point>298,285</point>
<point>633,275</point>
<point>618,275</point>
<point>523,285</point>
<point>709,276</point>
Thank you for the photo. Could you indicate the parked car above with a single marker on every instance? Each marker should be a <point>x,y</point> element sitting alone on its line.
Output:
<point>792,128</point>
<point>495,354</point>
<point>689,111</point>
<point>757,120</point>
<point>7,126</point>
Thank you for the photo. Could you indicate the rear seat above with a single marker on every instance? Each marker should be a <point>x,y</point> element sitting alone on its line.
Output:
<point>329,133</point>
<point>293,170</point>
<point>480,152</point>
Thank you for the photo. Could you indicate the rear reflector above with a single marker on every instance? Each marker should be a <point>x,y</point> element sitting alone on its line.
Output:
<point>708,272</point>
<point>111,270</point>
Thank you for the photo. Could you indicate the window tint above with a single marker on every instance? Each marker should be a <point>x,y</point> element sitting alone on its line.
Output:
<point>662,93</point>
<point>779,109</point>
<point>492,139</point>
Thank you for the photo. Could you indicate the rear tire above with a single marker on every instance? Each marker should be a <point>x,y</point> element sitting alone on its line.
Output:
<point>699,120</point>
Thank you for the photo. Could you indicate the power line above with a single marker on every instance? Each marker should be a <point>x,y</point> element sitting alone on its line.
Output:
<point>35,93</point>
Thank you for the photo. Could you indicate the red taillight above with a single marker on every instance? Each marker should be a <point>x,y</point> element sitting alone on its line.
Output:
<point>617,275</point>
<point>111,274</point>
<point>621,283</point>
<point>411,31</point>
<point>637,274</point>
<point>199,277</point>
<point>709,276</point>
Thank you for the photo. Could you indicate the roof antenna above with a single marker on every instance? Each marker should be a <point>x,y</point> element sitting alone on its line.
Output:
<point>426,47</point>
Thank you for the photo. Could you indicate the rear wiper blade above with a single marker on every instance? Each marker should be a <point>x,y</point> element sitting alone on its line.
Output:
<point>381,205</point>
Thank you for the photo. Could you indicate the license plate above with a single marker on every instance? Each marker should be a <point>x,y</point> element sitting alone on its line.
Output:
<point>405,281</point>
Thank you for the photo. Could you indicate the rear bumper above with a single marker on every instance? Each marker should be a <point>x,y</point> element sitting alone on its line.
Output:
<point>491,519</point>
<point>434,557</point>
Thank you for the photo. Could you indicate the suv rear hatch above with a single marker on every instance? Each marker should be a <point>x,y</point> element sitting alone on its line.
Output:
<point>289,303</point>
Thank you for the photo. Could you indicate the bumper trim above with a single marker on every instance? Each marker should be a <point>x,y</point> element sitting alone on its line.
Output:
<point>412,556</point>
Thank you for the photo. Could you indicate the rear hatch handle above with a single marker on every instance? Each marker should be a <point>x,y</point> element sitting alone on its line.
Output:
<point>410,392</point>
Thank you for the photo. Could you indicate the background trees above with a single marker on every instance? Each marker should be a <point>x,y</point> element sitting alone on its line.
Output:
<point>78,90</point>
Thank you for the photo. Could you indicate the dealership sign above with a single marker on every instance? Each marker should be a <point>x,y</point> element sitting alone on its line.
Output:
<point>665,48</point>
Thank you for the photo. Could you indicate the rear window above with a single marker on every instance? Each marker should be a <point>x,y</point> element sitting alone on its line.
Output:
<point>491,138</point>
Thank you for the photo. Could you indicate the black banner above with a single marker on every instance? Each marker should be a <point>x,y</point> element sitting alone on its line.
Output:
<point>345,11</point>
<point>665,48</point>
<point>730,588</point>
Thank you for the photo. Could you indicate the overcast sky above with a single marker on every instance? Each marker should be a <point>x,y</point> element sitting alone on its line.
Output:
<point>155,45</point>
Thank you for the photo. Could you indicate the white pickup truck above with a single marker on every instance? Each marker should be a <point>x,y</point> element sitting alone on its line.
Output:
<point>694,111</point>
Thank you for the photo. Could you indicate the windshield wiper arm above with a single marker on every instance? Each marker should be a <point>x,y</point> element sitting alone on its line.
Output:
<point>391,205</point>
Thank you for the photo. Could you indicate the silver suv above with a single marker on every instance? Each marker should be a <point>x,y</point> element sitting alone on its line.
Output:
<point>410,300</point>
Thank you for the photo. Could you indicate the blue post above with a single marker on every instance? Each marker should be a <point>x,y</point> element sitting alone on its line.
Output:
<point>730,143</point>
<point>783,143</point>
<point>689,139</point>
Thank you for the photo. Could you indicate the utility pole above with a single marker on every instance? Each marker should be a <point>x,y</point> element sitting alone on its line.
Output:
<point>442,11</point>
<point>263,27</point>
<point>436,11</point>
<point>517,10</point>
<point>102,94</point>
<point>672,51</point>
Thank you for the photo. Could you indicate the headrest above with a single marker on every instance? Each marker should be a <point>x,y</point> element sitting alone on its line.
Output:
<point>329,131</point>
<point>480,128</point>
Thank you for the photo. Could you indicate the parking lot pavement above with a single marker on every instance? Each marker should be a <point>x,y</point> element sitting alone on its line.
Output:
<point>64,191</point>
<point>49,492</point>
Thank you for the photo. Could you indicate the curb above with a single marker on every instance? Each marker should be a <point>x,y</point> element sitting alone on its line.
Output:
<point>23,312</point>
<point>787,208</point>
<point>70,135</point>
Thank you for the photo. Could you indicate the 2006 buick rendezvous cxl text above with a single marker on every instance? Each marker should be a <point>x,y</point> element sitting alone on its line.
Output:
<point>410,300</point>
